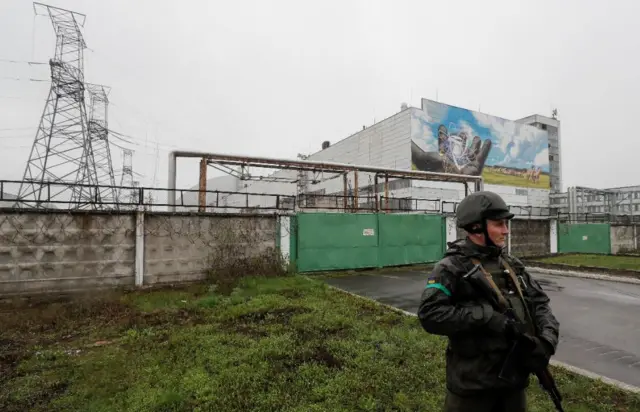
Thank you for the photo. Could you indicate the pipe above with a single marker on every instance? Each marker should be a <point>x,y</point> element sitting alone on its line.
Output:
<point>172,181</point>
<point>202,196</point>
<point>355,191</point>
<point>326,165</point>
<point>386,193</point>
<point>375,192</point>
<point>346,192</point>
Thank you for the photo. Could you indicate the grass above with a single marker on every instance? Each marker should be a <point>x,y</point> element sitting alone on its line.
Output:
<point>496,178</point>
<point>272,344</point>
<point>384,271</point>
<point>601,261</point>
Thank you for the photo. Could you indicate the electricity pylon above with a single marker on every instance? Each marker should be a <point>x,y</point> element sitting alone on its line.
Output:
<point>128,192</point>
<point>62,152</point>
<point>98,127</point>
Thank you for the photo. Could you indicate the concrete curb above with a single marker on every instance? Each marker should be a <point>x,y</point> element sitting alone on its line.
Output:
<point>584,275</point>
<point>558,364</point>
<point>609,381</point>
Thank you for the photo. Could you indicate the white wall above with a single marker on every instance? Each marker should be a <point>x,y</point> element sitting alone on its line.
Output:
<point>385,144</point>
<point>226,183</point>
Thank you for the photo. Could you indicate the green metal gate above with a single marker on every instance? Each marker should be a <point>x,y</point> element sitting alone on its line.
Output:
<point>335,241</point>
<point>331,241</point>
<point>408,239</point>
<point>584,238</point>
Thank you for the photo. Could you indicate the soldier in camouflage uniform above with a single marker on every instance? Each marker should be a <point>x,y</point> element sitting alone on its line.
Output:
<point>480,336</point>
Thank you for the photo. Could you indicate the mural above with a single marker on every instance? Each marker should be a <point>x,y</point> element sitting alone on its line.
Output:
<point>450,139</point>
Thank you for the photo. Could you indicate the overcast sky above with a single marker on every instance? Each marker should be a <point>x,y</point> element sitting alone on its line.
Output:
<point>276,78</point>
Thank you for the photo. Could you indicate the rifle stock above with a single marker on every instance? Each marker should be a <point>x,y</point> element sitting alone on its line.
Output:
<point>522,346</point>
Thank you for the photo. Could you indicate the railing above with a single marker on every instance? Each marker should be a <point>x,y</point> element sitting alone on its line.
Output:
<point>60,195</point>
<point>598,218</point>
<point>57,195</point>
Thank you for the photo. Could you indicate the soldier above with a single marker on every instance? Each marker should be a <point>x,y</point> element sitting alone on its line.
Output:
<point>479,335</point>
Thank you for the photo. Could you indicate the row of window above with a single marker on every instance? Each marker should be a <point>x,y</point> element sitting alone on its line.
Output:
<point>617,209</point>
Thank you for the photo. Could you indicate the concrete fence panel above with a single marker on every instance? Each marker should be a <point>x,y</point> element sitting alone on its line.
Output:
<point>623,238</point>
<point>530,237</point>
<point>180,248</point>
<point>65,251</point>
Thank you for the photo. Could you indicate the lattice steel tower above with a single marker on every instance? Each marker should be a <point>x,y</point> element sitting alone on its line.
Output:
<point>128,192</point>
<point>98,127</point>
<point>62,151</point>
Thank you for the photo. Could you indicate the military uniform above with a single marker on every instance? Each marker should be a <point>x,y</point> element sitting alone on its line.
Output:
<point>478,333</point>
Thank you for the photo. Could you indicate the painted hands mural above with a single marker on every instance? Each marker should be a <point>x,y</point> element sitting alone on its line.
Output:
<point>453,155</point>
<point>449,139</point>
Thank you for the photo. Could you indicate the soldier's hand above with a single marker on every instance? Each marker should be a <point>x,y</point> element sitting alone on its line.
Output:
<point>498,323</point>
<point>515,329</point>
<point>540,355</point>
<point>542,352</point>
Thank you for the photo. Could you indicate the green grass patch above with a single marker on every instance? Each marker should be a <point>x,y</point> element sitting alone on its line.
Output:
<point>601,261</point>
<point>494,177</point>
<point>286,344</point>
<point>426,268</point>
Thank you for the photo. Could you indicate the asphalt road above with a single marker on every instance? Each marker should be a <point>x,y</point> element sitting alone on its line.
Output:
<point>599,320</point>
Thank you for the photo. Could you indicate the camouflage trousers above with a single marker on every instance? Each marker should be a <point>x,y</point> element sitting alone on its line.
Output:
<point>503,401</point>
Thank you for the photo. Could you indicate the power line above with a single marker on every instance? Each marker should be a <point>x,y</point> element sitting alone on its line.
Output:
<point>22,62</point>
<point>24,79</point>
<point>18,128</point>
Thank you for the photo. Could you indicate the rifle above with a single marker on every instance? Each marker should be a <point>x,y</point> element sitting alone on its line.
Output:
<point>523,344</point>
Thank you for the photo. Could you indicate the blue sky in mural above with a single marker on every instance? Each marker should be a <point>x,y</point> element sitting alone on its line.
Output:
<point>514,145</point>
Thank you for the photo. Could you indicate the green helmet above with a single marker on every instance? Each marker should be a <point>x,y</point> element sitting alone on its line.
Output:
<point>479,206</point>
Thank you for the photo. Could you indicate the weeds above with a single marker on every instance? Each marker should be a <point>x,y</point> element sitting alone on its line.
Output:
<point>272,343</point>
<point>229,263</point>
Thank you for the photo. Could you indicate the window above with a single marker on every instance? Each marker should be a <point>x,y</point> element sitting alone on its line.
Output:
<point>522,192</point>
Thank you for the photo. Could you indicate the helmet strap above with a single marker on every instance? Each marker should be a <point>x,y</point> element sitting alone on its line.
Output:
<point>482,229</point>
<point>487,239</point>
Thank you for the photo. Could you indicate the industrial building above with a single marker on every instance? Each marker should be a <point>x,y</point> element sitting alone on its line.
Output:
<point>584,200</point>
<point>520,151</point>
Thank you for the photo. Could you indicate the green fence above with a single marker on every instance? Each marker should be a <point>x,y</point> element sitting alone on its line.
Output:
<point>584,238</point>
<point>335,241</point>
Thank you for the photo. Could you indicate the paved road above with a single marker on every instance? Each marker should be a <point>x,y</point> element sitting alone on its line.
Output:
<point>599,320</point>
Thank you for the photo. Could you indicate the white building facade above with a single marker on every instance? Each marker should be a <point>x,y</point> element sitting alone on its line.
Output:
<point>388,144</point>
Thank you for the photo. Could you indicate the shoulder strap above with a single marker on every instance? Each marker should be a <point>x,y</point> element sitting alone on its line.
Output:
<point>514,279</point>
<point>512,275</point>
<point>487,275</point>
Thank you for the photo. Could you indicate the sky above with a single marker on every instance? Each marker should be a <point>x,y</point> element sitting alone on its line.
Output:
<point>277,78</point>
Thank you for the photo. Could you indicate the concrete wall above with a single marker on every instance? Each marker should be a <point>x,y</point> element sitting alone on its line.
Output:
<point>530,237</point>
<point>179,248</point>
<point>623,238</point>
<point>65,251</point>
